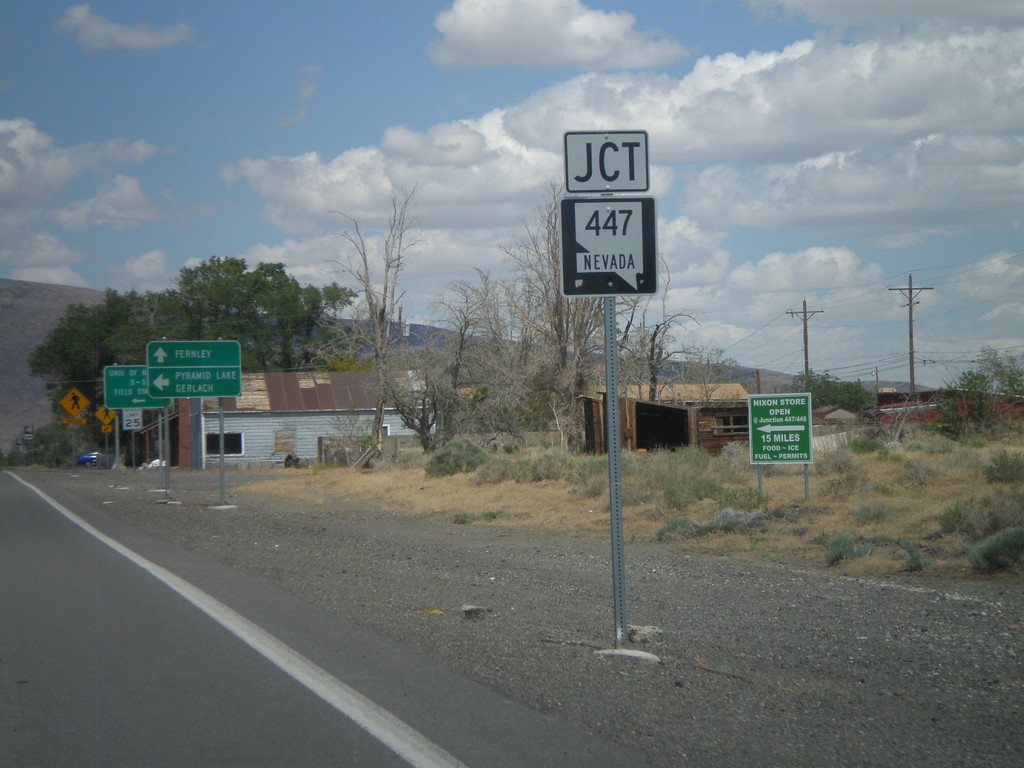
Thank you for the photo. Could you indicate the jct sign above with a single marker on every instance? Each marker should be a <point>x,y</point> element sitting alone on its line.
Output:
<point>605,161</point>
<point>780,429</point>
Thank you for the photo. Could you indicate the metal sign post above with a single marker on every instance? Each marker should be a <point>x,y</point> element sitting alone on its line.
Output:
<point>614,442</point>
<point>117,450</point>
<point>167,453</point>
<point>220,408</point>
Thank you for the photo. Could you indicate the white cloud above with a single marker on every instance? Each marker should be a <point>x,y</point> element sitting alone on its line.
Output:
<point>41,248</point>
<point>33,168</point>
<point>42,258</point>
<point>905,12</point>
<point>148,272</point>
<point>465,173</point>
<point>896,141</point>
<point>810,269</point>
<point>95,33</point>
<point>545,33</point>
<point>307,90</point>
<point>121,204</point>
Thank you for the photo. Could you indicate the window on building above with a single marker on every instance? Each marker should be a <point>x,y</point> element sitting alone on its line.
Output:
<point>731,424</point>
<point>232,444</point>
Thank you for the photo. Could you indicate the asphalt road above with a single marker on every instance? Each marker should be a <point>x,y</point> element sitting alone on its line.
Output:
<point>119,649</point>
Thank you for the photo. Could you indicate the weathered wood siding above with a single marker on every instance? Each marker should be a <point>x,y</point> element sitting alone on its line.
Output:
<point>267,438</point>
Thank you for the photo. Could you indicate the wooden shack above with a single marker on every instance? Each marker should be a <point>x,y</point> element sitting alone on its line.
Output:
<point>646,425</point>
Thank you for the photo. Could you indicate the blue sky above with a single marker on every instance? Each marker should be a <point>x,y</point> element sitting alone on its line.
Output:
<point>818,149</point>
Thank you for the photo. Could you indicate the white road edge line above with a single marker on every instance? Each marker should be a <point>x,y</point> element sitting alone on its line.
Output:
<point>408,743</point>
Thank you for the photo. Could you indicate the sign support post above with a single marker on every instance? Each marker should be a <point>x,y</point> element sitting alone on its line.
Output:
<point>117,449</point>
<point>614,442</point>
<point>220,406</point>
<point>166,448</point>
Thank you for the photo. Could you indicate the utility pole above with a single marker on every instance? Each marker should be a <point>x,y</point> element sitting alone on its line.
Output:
<point>806,315</point>
<point>911,295</point>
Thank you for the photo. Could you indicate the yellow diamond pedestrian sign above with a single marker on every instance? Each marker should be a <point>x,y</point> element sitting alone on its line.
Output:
<point>74,402</point>
<point>104,414</point>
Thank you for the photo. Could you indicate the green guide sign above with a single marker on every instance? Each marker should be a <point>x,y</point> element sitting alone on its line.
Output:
<point>780,428</point>
<point>180,369</point>
<point>127,386</point>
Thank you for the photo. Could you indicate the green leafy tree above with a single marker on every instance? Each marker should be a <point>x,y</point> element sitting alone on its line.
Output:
<point>828,390</point>
<point>277,321</point>
<point>971,402</point>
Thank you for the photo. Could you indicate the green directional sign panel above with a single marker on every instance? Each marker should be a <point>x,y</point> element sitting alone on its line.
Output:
<point>780,428</point>
<point>180,369</point>
<point>127,386</point>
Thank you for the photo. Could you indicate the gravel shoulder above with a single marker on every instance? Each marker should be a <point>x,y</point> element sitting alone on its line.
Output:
<point>759,663</point>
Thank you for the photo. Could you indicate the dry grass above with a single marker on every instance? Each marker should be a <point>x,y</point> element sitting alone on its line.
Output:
<point>907,487</point>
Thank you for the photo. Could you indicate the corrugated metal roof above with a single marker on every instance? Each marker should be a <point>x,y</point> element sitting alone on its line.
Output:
<point>305,391</point>
<point>691,393</point>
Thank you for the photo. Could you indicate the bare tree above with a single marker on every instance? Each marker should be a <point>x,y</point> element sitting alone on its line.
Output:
<point>647,347</point>
<point>375,263</point>
<point>707,367</point>
<point>568,330</point>
<point>493,363</point>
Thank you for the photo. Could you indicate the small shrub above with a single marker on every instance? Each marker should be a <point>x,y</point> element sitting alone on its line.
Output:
<point>739,498</point>
<point>1005,467</point>
<point>930,442</point>
<point>676,526</point>
<point>588,476</point>
<point>843,546</point>
<point>866,445</point>
<point>839,462</point>
<point>462,518</point>
<point>455,457</point>
<point>848,484</point>
<point>915,475</point>
<point>1004,508</point>
<point>962,459</point>
<point>873,512</point>
<point>999,551</point>
<point>526,468</point>
<point>495,471</point>
<point>958,517</point>
<point>977,519</point>
<point>916,560</point>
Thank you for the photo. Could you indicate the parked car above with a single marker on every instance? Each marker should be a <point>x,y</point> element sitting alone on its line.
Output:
<point>90,459</point>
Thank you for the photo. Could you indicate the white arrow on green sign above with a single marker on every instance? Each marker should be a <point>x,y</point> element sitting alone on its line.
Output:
<point>127,386</point>
<point>780,428</point>
<point>180,369</point>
